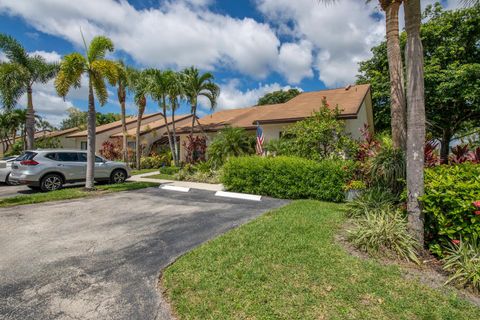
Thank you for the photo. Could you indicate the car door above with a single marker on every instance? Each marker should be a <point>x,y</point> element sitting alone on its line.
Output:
<point>71,166</point>
<point>102,170</point>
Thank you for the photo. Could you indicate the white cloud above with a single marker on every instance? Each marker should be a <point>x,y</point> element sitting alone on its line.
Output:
<point>176,34</point>
<point>3,58</point>
<point>51,56</point>
<point>342,33</point>
<point>295,61</point>
<point>231,96</point>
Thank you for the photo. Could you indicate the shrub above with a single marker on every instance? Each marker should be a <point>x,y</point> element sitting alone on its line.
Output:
<point>195,149</point>
<point>388,169</point>
<point>371,200</point>
<point>448,204</point>
<point>155,161</point>
<point>111,149</point>
<point>230,142</point>
<point>355,185</point>
<point>463,261</point>
<point>384,232</point>
<point>198,173</point>
<point>288,177</point>
<point>169,170</point>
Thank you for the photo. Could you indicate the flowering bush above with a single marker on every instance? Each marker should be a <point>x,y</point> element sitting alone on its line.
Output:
<point>155,161</point>
<point>111,149</point>
<point>451,204</point>
<point>195,149</point>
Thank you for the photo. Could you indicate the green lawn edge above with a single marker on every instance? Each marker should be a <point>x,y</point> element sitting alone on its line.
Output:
<point>72,193</point>
<point>286,265</point>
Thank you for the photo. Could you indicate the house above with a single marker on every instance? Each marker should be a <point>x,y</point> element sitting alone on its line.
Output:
<point>354,102</point>
<point>4,143</point>
<point>61,137</point>
<point>104,132</point>
<point>153,135</point>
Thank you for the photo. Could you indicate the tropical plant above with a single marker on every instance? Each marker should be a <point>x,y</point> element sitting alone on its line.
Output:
<point>18,75</point>
<point>387,169</point>
<point>122,84</point>
<point>139,83</point>
<point>111,149</point>
<point>195,149</point>
<point>384,232</point>
<point>317,137</point>
<point>431,157</point>
<point>97,68</point>
<point>375,199</point>
<point>199,85</point>
<point>462,260</point>
<point>230,142</point>
<point>280,96</point>
<point>175,93</point>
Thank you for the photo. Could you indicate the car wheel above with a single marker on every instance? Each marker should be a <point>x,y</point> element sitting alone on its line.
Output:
<point>51,182</point>
<point>7,180</point>
<point>118,176</point>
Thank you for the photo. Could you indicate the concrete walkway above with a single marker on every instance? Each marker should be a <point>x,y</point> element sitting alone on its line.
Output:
<point>186,184</point>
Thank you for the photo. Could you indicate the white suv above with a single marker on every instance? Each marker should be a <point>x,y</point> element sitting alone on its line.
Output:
<point>50,169</point>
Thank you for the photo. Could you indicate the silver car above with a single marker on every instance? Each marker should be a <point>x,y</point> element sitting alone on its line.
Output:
<point>6,169</point>
<point>50,169</point>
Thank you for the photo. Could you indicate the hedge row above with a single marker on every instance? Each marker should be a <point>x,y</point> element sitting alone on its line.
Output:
<point>449,204</point>
<point>288,177</point>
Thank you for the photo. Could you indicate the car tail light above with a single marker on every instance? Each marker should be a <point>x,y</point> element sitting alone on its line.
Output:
<point>28,163</point>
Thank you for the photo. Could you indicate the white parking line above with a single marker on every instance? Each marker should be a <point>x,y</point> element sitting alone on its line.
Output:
<point>236,195</point>
<point>175,188</point>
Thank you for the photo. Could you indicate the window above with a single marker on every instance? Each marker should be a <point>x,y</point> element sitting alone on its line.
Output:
<point>83,145</point>
<point>98,159</point>
<point>67,156</point>
<point>82,157</point>
<point>131,145</point>
<point>29,155</point>
<point>51,156</point>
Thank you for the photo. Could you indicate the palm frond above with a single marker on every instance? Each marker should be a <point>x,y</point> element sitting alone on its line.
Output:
<point>70,73</point>
<point>41,70</point>
<point>13,83</point>
<point>98,48</point>
<point>105,69</point>
<point>13,49</point>
<point>99,88</point>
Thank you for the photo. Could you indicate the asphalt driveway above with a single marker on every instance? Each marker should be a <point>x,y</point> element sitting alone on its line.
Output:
<point>100,258</point>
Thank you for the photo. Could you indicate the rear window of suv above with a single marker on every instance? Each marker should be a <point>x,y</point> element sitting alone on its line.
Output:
<point>29,155</point>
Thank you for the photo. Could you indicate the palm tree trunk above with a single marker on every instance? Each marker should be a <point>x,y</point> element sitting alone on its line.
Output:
<point>30,125</point>
<point>397,91</point>
<point>138,150</point>
<point>169,135</point>
<point>174,138</point>
<point>445,145</point>
<point>121,97</point>
<point>415,118</point>
<point>194,113</point>
<point>91,135</point>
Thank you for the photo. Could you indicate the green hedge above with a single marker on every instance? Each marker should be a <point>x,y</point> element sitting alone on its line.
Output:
<point>288,177</point>
<point>448,204</point>
<point>169,170</point>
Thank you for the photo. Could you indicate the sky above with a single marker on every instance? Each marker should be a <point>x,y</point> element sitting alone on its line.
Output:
<point>251,46</point>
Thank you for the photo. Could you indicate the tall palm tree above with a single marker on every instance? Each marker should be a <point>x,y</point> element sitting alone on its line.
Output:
<point>415,117</point>
<point>198,85</point>
<point>97,68</point>
<point>18,75</point>
<point>398,107</point>
<point>122,83</point>
<point>139,84</point>
<point>175,92</point>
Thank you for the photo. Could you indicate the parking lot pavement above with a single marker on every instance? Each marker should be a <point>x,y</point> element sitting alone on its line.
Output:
<point>100,257</point>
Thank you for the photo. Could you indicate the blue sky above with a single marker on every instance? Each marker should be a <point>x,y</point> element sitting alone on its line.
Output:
<point>252,46</point>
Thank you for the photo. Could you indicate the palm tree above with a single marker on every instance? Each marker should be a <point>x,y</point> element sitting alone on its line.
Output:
<point>122,83</point>
<point>197,85</point>
<point>97,69</point>
<point>19,75</point>
<point>415,117</point>
<point>139,84</point>
<point>159,83</point>
<point>175,92</point>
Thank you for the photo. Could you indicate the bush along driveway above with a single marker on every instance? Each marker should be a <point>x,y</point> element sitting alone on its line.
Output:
<point>286,265</point>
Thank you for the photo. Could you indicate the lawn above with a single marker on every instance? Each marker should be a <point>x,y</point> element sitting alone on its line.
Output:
<point>135,172</point>
<point>162,176</point>
<point>72,193</point>
<point>286,265</point>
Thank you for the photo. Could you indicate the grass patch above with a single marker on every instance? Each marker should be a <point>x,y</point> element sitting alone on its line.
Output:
<point>286,265</point>
<point>162,176</point>
<point>72,193</point>
<point>141,171</point>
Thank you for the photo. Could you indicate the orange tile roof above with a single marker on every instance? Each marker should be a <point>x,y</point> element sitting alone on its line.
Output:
<point>348,99</point>
<point>146,128</point>
<point>112,125</point>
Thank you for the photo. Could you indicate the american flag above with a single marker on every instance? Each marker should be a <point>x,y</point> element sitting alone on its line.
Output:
<point>260,139</point>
